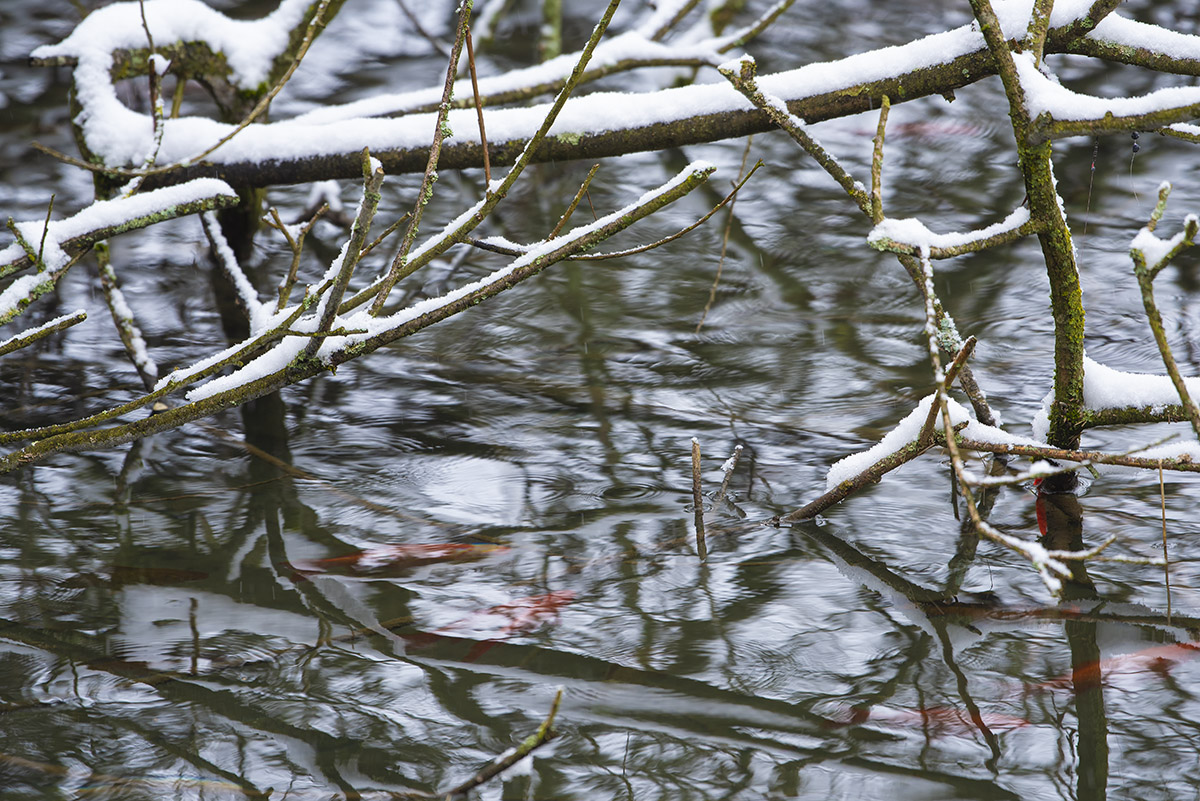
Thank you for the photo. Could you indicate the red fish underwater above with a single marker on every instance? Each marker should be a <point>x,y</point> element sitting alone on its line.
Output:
<point>385,561</point>
<point>1156,660</point>
<point>497,623</point>
<point>938,721</point>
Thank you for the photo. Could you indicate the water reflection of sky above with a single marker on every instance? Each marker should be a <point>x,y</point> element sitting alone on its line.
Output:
<point>556,421</point>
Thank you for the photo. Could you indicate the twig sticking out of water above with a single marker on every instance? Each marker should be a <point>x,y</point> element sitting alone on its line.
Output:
<point>1087,212</point>
<point>728,468</point>
<point>698,500</point>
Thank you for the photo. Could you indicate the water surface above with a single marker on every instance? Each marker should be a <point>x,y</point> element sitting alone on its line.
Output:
<point>168,629</point>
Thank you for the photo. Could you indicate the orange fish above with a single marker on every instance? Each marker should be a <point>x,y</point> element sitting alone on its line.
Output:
<point>502,621</point>
<point>1158,659</point>
<point>386,561</point>
<point>937,720</point>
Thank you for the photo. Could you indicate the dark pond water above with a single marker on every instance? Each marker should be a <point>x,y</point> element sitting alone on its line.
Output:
<point>156,640</point>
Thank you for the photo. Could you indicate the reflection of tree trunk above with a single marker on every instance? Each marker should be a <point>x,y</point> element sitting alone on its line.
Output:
<point>1063,518</point>
<point>1063,531</point>
<point>1092,771</point>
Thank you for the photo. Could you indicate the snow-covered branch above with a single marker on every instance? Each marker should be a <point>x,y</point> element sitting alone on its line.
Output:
<point>910,236</point>
<point>286,333</point>
<point>1150,255</point>
<point>67,239</point>
<point>325,143</point>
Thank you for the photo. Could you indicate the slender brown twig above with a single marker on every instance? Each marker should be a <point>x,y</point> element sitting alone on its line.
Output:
<point>698,501</point>
<point>483,244</point>
<point>574,204</point>
<point>512,756</point>
<point>877,162</point>
<point>1146,273</point>
<point>397,270</point>
<point>487,163</point>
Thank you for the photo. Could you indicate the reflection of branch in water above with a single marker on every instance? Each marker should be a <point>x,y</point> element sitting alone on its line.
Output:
<point>1060,517</point>
<point>513,755</point>
<point>973,712</point>
<point>225,702</point>
<point>935,605</point>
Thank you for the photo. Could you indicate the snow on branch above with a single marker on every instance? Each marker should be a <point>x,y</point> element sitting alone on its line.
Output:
<point>54,246</point>
<point>378,331</point>
<point>911,237</point>
<point>325,143</point>
<point>1106,388</point>
<point>1058,112</point>
<point>1123,40</point>
<point>249,47</point>
<point>29,336</point>
<point>1152,254</point>
<point>67,239</point>
<point>1115,397</point>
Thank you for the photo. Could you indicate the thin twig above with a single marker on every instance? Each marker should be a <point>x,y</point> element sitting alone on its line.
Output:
<point>1145,274</point>
<point>1031,474</point>
<point>296,245</point>
<point>728,468</point>
<point>1182,464</point>
<point>681,12</point>
<point>1039,26</point>
<point>45,231</point>
<point>487,164</point>
<point>743,37</point>
<point>441,129</point>
<point>574,204</point>
<point>35,257</point>
<point>177,97</point>
<point>27,338</point>
<point>437,44</point>
<point>514,755</point>
<point>156,106</point>
<point>698,501</point>
<point>372,182</point>
<point>483,244</point>
<point>877,162</point>
<point>128,330</point>
<point>745,81</point>
<point>960,359</point>
<point>391,229</point>
<point>550,38</point>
